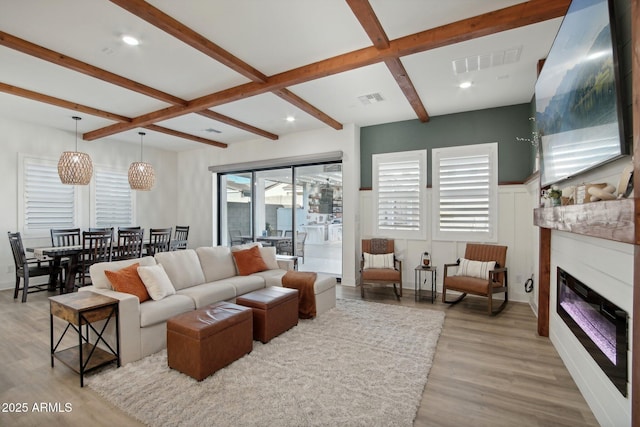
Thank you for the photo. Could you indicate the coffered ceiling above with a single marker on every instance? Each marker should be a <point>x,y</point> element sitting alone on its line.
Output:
<point>226,71</point>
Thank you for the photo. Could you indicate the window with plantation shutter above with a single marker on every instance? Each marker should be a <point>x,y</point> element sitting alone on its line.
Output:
<point>399,184</point>
<point>465,191</point>
<point>113,199</point>
<point>46,202</point>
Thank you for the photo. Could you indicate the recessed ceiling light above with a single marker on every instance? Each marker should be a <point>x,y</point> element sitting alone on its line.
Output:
<point>465,85</point>
<point>291,119</point>
<point>130,40</point>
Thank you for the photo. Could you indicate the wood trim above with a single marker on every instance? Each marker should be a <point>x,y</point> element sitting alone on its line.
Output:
<point>508,18</point>
<point>544,285</point>
<point>609,219</point>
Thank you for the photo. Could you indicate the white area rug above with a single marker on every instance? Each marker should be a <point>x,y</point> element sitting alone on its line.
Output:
<point>360,364</point>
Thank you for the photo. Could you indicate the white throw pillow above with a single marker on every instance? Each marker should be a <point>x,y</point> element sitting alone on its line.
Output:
<point>477,269</point>
<point>99,279</point>
<point>268,254</point>
<point>378,260</point>
<point>156,281</point>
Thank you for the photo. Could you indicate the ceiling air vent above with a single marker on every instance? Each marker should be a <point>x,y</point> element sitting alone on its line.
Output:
<point>482,62</point>
<point>372,98</point>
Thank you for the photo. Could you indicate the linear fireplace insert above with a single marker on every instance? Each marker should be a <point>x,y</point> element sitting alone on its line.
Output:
<point>600,326</point>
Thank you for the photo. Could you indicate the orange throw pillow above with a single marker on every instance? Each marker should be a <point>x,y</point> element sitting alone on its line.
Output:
<point>249,261</point>
<point>128,281</point>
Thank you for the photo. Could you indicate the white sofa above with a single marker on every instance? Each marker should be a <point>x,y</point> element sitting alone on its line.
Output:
<point>200,277</point>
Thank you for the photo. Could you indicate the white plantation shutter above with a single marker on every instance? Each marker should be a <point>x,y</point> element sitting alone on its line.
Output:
<point>399,183</point>
<point>46,202</point>
<point>114,204</point>
<point>465,193</point>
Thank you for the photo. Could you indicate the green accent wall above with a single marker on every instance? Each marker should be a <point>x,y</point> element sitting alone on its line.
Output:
<point>501,125</point>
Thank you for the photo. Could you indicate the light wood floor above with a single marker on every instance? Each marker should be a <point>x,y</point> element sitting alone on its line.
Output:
<point>487,371</point>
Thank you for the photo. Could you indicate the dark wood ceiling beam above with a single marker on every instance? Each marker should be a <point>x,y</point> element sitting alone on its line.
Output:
<point>294,99</point>
<point>236,123</point>
<point>183,135</point>
<point>46,99</point>
<point>43,53</point>
<point>156,17</point>
<point>509,18</point>
<point>406,85</point>
<point>73,64</point>
<point>366,16</point>
<point>370,23</point>
<point>35,96</point>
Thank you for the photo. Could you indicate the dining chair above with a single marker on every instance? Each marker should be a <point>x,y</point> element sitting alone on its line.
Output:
<point>129,228</point>
<point>97,246</point>
<point>65,237</point>
<point>180,237</point>
<point>130,243</point>
<point>235,237</point>
<point>159,240</point>
<point>27,268</point>
<point>102,229</point>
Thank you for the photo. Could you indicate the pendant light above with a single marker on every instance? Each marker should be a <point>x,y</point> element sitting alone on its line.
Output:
<point>141,174</point>
<point>75,168</point>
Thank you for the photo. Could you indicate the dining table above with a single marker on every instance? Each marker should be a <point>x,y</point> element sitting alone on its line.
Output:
<point>57,254</point>
<point>73,253</point>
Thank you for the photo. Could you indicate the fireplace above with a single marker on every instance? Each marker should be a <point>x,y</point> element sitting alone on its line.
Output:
<point>600,326</point>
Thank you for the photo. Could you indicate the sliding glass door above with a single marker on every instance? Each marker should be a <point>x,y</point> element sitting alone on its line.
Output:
<point>236,212</point>
<point>297,209</point>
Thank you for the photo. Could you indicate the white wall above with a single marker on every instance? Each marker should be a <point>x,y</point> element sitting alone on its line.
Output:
<point>606,267</point>
<point>515,224</point>
<point>197,199</point>
<point>156,208</point>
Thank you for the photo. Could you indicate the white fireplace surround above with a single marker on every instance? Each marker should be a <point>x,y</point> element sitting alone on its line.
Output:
<point>606,267</point>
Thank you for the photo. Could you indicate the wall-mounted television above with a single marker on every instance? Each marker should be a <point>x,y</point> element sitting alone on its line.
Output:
<point>578,101</point>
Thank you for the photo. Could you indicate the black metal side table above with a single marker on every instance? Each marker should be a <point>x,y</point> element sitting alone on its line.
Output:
<point>419,282</point>
<point>82,309</point>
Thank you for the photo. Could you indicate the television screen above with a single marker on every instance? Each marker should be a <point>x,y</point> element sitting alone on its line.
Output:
<point>578,108</point>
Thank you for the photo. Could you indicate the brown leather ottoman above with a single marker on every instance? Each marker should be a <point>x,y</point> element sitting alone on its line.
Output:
<point>275,310</point>
<point>203,341</point>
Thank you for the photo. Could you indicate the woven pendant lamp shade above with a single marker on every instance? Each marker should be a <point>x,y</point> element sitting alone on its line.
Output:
<point>74,167</point>
<point>141,174</point>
